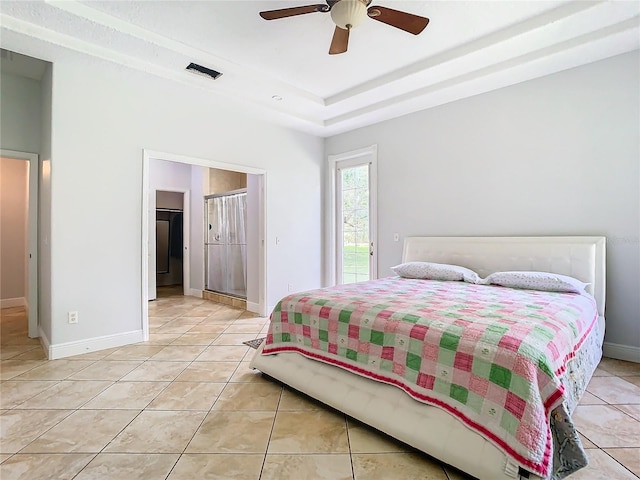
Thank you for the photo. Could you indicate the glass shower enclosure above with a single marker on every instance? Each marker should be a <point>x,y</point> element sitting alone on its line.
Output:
<point>226,243</point>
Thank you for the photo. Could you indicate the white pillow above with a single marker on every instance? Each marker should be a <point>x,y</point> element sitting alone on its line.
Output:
<point>435,271</point>
<point>544,281</point>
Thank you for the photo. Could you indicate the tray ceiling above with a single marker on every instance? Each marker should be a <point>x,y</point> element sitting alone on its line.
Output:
<point>281,68</point>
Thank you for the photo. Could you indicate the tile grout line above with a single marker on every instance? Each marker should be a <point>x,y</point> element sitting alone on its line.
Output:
<point>353,472</point>
<point>273,424</point>
<point>618,462</point>
<point>110,441</point>
<point>204,418</point>
<point>602,449</point>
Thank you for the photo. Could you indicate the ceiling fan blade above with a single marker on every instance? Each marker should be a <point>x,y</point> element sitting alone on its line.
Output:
<point>339,42</point>
<point>404,21</point>
<point>290,12</point>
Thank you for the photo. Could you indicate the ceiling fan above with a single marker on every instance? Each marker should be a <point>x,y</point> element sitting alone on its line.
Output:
<point>348,14</point>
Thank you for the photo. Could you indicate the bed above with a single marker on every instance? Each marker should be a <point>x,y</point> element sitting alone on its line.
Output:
<point>418,416</point>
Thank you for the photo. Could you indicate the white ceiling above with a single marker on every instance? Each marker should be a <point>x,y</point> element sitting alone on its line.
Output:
<point>469,47</point>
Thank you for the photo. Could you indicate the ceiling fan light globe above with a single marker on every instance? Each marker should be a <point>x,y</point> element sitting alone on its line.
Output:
<point>348,12</point>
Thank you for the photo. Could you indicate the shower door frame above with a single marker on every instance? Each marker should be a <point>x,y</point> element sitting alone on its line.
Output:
<point>206,250</point>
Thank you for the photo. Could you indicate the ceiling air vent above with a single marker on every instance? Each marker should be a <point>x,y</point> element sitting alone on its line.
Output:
<point>200,70</point>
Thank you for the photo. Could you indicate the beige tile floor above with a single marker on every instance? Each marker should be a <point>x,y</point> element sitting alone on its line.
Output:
<point>185,405</point>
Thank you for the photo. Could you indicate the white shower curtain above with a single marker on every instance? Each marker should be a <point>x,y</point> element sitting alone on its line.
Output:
<point>227,244</point>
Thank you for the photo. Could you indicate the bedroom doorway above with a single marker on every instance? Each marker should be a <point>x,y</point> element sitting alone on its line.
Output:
<point>20,235</point>
<point>354,223</point>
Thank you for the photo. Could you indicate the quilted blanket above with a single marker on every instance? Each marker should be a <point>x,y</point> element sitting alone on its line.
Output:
<point>492,356</point>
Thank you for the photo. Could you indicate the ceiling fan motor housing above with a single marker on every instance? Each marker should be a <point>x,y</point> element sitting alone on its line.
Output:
<point>348,14</point>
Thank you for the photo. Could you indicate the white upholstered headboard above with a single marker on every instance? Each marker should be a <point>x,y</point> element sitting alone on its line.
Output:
<point>579,257</point>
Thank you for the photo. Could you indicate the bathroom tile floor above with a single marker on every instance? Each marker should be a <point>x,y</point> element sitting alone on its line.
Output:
<point>185,405</point>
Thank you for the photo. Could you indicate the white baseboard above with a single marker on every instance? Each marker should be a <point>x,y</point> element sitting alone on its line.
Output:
<point>62,350</point>
<point>194,292</point>
<point>253,307</point>
<point>621,352</point>
<point>44,341</point>
<point>13,302</point>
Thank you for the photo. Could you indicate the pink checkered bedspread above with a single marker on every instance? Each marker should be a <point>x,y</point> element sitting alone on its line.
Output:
<point>492,356</point>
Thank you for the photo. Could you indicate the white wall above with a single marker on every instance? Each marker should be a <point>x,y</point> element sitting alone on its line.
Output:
<point>196,272</point>
<point>20,114</point>
<point>100,126</point>
<point>44,207</point>
<point>14,208</point>
<point>253,242</point>
<point>559,155</point>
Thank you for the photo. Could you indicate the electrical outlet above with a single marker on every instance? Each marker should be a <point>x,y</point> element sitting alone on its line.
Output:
<point>290,287</point>
<point>73,317</point>
<point>396,237</point>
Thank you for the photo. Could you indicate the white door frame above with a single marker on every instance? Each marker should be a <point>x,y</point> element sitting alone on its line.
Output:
<point>186,235</point>
<point>363,155</point>
<point>148,155</point>
<point>32,239</point>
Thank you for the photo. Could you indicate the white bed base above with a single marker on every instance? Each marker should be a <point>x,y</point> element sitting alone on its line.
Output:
<point>424,427</point>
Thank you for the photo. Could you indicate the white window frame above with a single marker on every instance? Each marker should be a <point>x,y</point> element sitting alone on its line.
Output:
<point>345,160</point>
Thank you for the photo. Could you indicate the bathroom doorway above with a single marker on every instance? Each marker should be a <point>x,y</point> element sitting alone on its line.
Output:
<point>154,179</point>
